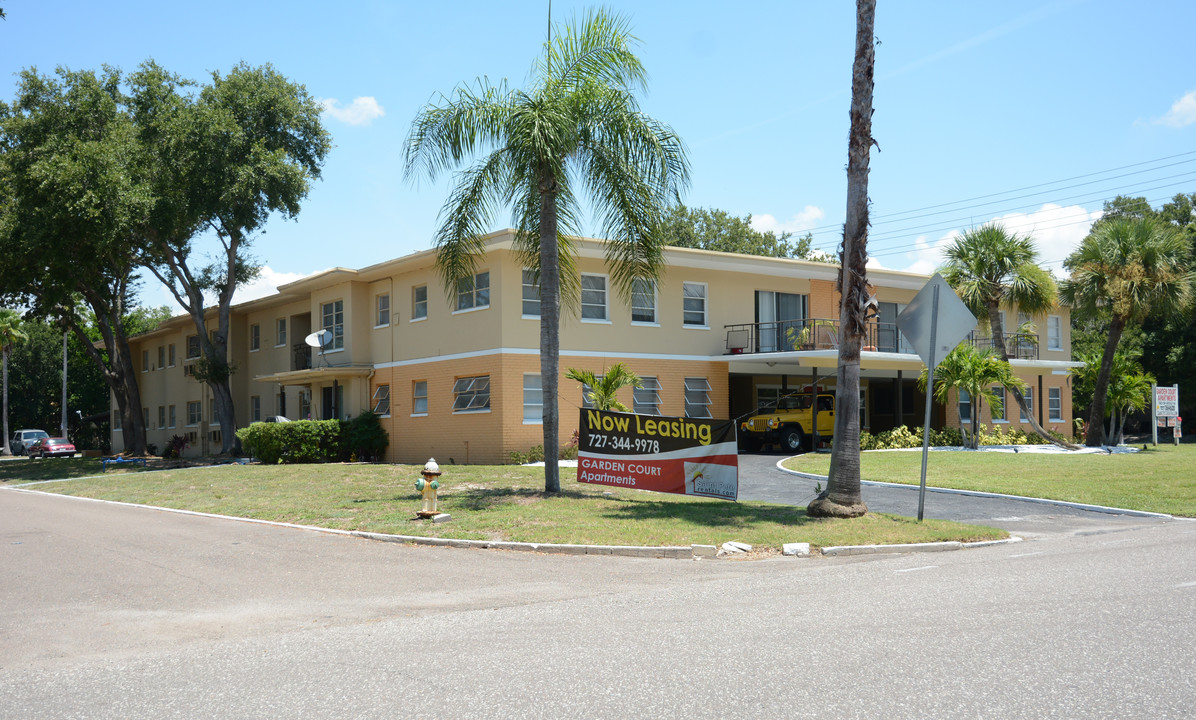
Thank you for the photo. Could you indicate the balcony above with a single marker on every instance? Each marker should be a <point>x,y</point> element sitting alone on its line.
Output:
<point>300,356</point>
<point>1019,346</point>
<point>821,334</point>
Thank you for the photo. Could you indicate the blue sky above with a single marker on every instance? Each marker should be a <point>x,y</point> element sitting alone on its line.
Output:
<point>1042,110</point>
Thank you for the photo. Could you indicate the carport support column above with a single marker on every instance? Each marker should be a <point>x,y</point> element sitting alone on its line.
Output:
<point>900,408</point>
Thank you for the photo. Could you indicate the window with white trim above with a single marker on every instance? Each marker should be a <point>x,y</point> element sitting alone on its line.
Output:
<point>693,304</point>
<point>646,400</point>
<point>471,394</point>
<point>255,337</point>
<point>643,301</point>
<point>1055,404</point>
<point>593,298</point>
<point>382,310</point>
<point>419,302</point>
<point>697,397</point>
<point>419,397</point>
<point>1028,396</point>
<point>531,294</point>
<point>965,406</point>
<point>161,417</point>
<point>1054,332</point>
<point>533,398</point>
<point>194,413</point>
<point>381,400</point>
<point>473,292</point>
<point>999,415</point>
<point>280,332</point>
<point>332,317</point>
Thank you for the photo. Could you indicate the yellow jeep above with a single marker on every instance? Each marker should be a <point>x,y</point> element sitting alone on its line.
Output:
<point>789,424</point>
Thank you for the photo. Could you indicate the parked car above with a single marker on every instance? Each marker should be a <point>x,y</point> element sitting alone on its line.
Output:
<point>22,439</point>
<point>277,418</point>
<point>51,447</point>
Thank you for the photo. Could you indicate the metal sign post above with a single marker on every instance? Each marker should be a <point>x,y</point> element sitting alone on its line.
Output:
<point>930,363</point>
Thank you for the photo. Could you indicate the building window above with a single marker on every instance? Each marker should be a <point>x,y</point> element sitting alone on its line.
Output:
<point>965,407</point>
<point>419,302</point>
<point>171,353</point>
<point>255,337</point>
<point>471,394</point>
<point>1055,404</point>
<point>419,397</point>
<point>473,292</point>
<point>1001,414</point>
<point>646,400</point>
<point>1054,333</point>
<point>213,418</point>
<point>161,417</point>
<point>145,361</point>
<point>643,301</point>
<point>1028,396</point>
<point>694,304</point>
<point>333,319</point>
<point>194,413</point>
<point>697,397</point>
<point>382,306</point>
<point>171,415</point>
<point>382,400</point>
<point>533,399</point>
<point>192,347</point>
<point>161,356</point>
<point>531,294</point>
<point>280,332</point>
<point>586,402</point>
<point>593,297</point>
<point>145,418</point>
<point>255,408</point>
<point>116,420</point>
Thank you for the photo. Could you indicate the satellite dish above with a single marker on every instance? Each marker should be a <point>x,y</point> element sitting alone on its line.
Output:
<point>318,339</point>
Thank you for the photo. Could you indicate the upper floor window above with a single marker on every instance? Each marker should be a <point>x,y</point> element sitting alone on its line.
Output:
<point>419,302</point>
<point>593,297</point>
<point>192,347</point>
<point>161,356</point>
<point>694,304</point>
<point>531,294</point>
<point>145,362</point>
<point>170,348</point>
<point>382,310</point>
<point>255,337</point>
<point>643,301</point>
<point>1054,332</point>
<point>473,292</point>
<point>471,393</point>
<point>333,319</point>
<point>280,330</point>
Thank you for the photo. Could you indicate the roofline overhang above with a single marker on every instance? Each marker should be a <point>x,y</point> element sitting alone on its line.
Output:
<point>311,375</point>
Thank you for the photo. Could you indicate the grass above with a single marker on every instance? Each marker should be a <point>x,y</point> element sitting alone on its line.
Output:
<point>1161,479</point>
<point>487,503</point>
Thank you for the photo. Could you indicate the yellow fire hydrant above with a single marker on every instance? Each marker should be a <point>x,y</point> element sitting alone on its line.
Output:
<point>428,485</point>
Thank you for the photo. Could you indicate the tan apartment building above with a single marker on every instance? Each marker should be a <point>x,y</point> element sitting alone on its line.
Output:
<point>455,376</point>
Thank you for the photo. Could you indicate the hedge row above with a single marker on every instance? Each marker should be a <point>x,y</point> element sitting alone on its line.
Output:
<point>316,441</point>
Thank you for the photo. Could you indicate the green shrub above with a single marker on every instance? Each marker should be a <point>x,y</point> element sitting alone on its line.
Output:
<point>364,438</point>
<point>302,441</point>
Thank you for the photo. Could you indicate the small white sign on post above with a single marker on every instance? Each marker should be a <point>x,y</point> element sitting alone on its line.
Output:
<point>1166,401</point>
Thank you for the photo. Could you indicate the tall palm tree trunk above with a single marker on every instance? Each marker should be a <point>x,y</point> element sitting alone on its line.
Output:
<point>1100,393</point>
<point>550,331</point>
<point>842,497</point>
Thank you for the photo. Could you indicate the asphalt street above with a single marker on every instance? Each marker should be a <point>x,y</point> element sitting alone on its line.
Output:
<point>111,611</point>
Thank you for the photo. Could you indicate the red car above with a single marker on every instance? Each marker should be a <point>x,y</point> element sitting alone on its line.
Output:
<point>49,447</point>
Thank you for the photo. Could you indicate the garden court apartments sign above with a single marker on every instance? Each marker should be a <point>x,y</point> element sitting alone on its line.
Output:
<point>456,376</point>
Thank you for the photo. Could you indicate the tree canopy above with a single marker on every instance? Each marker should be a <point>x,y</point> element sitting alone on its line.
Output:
<point>718,230</point>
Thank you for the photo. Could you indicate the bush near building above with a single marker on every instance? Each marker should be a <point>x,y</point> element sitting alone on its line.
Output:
<point>316,441</point>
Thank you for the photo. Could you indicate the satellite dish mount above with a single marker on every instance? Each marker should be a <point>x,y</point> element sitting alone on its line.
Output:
<point>319,340</point>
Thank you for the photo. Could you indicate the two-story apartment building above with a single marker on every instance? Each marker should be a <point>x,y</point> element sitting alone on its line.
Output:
<point>456,375</point>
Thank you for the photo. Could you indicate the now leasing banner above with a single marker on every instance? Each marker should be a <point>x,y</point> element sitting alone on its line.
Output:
<point>687,456</point>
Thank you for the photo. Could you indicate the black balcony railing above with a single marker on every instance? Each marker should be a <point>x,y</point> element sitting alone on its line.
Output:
<point>1019,346</point>
<point>300,356</point>
<point>819,334</point>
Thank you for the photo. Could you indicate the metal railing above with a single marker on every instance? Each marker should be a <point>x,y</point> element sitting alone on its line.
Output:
<point>805,335</point>
<point>1019,346</point>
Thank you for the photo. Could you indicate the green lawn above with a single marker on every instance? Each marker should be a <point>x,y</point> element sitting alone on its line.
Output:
<point>1161,479</point>
<point>487,503</point>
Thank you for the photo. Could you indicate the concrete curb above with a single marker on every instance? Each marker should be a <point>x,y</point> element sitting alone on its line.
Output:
<point>1000,496</point>
<point>912,547</point>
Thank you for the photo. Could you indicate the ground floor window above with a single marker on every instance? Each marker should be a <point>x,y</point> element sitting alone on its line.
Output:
<point>647,398</point>
<point>999,414</point>
<point>965,407</point>
<point>419,397</point>
<point>382,400</point>
<point>255,408</point>
<point>471,394</point>
<point>697,397</point>
<point>533,399</point>
<point>161,417</point>
<point>171,416</point>
<point>1055,404</point>
<point>1028,396</point>
<point>194,413</point>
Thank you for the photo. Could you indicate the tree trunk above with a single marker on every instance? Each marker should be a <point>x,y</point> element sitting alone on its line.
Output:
<point>550,331</point>
<point>1100,392</point>
<point>842,497</point>
<point>998,331</point>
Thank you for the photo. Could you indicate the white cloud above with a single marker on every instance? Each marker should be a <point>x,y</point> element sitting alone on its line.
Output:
<point>267,283</point>
<point>1182,113</point>
<point>798,223</point>
<point>362,111</point>
<point>1056,231</point>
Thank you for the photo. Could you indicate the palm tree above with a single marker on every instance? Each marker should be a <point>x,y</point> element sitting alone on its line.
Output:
<point>1128,268</point>
<point>1129,387</point>
<point>976,372</point>
<point>576,128</point>
<point>601,389</point>
<point>990,268</point>
<point>10,335</point>
<point>842,497</point>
